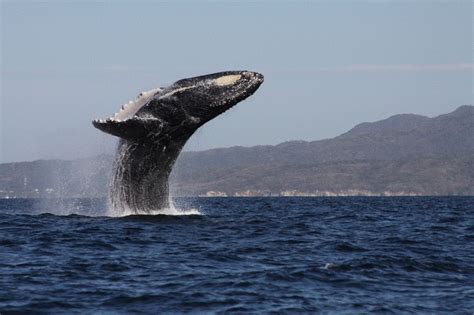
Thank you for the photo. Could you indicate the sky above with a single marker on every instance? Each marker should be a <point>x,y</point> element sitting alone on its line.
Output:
<point>328,66</point>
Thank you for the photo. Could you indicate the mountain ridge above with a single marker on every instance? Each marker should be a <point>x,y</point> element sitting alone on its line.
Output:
<point>388,145</point>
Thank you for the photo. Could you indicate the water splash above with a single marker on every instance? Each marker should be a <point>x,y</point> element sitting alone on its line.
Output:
<point>140,177</point>
<point>118,208</point>
<point>117,193</point>
<point>171,211</point>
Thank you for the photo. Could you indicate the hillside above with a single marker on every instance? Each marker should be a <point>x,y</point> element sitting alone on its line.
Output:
<point>400,155</point>
<point>395,138</point>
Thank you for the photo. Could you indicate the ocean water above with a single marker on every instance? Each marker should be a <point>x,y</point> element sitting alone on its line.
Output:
<point>402,255</point>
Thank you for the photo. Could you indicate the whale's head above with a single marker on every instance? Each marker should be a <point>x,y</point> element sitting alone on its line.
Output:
<point>178,110</point>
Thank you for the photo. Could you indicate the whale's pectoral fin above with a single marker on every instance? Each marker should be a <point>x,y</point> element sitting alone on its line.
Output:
<point>132,129</point>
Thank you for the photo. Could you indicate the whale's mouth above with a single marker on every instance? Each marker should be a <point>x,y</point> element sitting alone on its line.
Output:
<point>128,110</point>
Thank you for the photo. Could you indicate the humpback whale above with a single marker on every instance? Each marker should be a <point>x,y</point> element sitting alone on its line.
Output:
<point>156,125</point>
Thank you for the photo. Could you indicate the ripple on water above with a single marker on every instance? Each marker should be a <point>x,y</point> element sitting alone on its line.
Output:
<point>240,255</point>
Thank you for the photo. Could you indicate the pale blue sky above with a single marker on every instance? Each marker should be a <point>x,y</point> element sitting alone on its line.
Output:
<point>327,66</point>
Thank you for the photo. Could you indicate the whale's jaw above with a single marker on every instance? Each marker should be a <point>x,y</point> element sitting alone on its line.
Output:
<point>155,127</point>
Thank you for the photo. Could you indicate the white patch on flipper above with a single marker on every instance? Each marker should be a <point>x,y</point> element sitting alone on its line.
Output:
<point>130,109</point>
<point>227,79</point>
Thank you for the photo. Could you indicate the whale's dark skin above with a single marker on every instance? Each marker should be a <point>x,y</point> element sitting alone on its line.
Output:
<point>155,127</point>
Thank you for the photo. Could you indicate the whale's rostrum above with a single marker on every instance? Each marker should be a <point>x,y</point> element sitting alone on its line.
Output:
<point>154,128</point>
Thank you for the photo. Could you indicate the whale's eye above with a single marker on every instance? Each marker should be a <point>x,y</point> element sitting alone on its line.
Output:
<point>227,79</point>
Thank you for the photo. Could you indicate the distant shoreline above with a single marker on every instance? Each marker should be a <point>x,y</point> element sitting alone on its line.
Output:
<point>296,193</point>
<point>250,197</point>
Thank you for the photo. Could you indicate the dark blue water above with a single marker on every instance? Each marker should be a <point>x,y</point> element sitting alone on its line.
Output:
<point>241,255</point>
